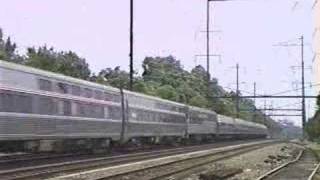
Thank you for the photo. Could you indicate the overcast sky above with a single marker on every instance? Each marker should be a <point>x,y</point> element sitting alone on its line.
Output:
<point>247,31</point>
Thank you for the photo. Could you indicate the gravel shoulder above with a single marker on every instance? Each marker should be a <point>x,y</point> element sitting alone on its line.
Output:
<point>315,147</point>
<point>254,163</point>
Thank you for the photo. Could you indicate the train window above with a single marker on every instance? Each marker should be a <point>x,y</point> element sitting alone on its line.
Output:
<point>10,102</point>
<point>45,85</point>
<point>98,95</point>
<point>115,113</point>
<point>66,108</point>
<point>150,116</point>
<point>162,117</point>
<point>95,111</point>
<point>133,114</point>
<point>156,116</point>
<point>111,97</point>
<point>81,110</point>
<point>196,118</point>
<point>87,92</point>
<point>107,96</point>
<point>203,116</point>
<point>116,98</point>
<point>23,104</point>
<point>2,104</point>
<point>47,106</point>
<point>63,88</point>
<point>142,101</point>
<point>162,106</point>
<point>90,110</point>
<point>147,116</point>
<point>169,107</point>
<point>99,111</point>
<point>76,90</point>
<point>7,102</point>
<point>106,112</point>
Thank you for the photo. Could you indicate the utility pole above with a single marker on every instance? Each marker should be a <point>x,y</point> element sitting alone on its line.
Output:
<point>208,37</point>
<point>265,111</point>
<point>303,87</point>
<point>237,99</point>
<point>208,41</point>
<point>131,45</point>
<point>303,96</point>
<point>254,100</point>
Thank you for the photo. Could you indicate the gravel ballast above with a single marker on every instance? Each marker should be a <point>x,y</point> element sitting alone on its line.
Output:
<point>254,163</point>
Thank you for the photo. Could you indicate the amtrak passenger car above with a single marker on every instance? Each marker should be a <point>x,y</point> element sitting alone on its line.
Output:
<point>37,105</point>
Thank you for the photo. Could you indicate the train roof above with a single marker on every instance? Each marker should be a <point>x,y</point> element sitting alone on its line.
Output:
<point>62,77</point>
<point>57,76</point>
<point>202,110</point>
<point>225,119</point>
<point>249,123</point>
<point>236,121</point>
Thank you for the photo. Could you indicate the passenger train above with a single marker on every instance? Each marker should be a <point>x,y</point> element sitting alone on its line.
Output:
<point>44,110</point>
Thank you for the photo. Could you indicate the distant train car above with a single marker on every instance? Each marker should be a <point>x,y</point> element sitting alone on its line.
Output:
<point>246,129</point>
<point>202,123</point>
<point>154,117</point>
<point>43,110</point>
<point>227,127</point>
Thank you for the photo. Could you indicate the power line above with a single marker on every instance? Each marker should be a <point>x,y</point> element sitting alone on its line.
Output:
<point>279,93</point>
<point>284,115</point>
<point>293,90</point>
<point>270,96</point>
<point>288,105</point>
<point>303,87</point>
<point>238,105</point>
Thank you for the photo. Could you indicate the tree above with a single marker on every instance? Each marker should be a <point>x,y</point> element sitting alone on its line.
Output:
<point>169,80</point>
<point>115,77</point>
<point>167,92</point>
<point>8,50</point>
<point>199,101</point>
<point>67,63</point>
<point>313,125</point>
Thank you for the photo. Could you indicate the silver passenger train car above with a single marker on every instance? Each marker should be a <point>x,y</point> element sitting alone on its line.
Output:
<point>40,108</point>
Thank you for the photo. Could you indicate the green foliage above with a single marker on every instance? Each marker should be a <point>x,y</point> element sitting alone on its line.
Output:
<point>8,50</point>
<point>140,86</point>
<point>67,63</point>
<point>115,77</point>
<point>199,101</point>
<point>167,92</point>
<point>313,125</point>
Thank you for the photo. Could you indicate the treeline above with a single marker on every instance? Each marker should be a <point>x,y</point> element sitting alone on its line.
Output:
<point>164,77</point>
<point>313,125</point>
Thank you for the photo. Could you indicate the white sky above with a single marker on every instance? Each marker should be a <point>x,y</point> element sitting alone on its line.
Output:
<point>98,31</point>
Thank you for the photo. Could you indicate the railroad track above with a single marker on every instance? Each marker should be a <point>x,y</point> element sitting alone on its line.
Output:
<point>43,171</point>
<point>303,167</point>
<point>32,157</point>
<point>26,160</point>
<point>173,167</point>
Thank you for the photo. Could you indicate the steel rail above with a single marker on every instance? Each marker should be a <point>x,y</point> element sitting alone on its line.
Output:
<point>314,172</point>
<point>266,175</point>
<point>203,159</point>
<point>51,170</point>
